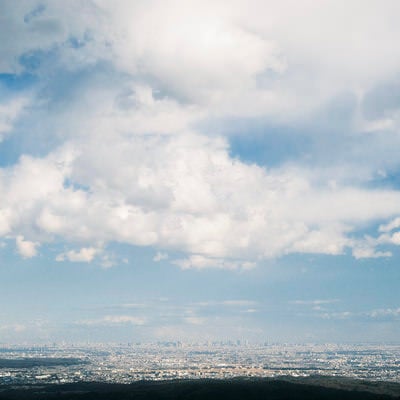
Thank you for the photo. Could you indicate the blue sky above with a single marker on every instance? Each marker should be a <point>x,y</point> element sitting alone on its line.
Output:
<point>213,170</point>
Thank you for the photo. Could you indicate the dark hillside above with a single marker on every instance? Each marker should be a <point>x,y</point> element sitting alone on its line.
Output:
<point>236,389</point>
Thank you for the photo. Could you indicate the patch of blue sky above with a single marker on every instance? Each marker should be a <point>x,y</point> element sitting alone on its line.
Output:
<point>86,291</point>
<point>272,302</point>
<point>388,179</point>
<point>37,132</point>
<point>310,146</point>
<point>382,99</point>
<point>15,83</point>
<point>359,285</point>
<point>35,12</point>
<point>274,282</point>
<point>266,145</point>
<point>68,183</point>
<point>321,138</point>
<point>68,87</point>
<point>26,139</point>
<point>32,60</point>
<point>77,43</point>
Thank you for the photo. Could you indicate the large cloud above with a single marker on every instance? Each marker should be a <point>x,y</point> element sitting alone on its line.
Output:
<point>251,58</point>
<point>183,193</point>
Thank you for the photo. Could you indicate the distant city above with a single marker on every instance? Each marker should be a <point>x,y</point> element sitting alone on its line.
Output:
<point>125,363</point>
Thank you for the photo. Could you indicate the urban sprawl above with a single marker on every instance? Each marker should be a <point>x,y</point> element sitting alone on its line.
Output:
<point>124,363</point>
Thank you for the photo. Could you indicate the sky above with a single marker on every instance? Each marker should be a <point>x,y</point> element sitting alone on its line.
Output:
<point>199,170</point>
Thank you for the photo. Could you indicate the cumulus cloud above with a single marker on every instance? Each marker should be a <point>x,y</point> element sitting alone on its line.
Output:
<point>85,254</point>
<point>184,193</point>
<point>236,57</point>
<point>26,248</point>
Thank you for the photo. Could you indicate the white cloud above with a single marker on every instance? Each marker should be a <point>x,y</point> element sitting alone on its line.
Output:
<point>108,260</point>
<point>201,262</point>
<point>369,252</point>
<point>115,320</point>
<point>9,112</point>
<point>316,302</point>
<point>236,57</point>
<point>132,305</point>
<point>85,254</point>
<point>381,313</point>
<point>29,26</point>
<point>337,315</point>
<point>217,57</point>
<point>183,193</point>
<point>367,248</point>
<point>160,256</point>
<point>124,319</point>
<point>395,223</point>
<point>26,248</point>
<point>239,303</point>
<point>13,328</point>
<point>384,312</point>
<point>195,320</point>
<point>229,58</point>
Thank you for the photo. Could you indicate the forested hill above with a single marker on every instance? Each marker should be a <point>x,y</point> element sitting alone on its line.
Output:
<point>246,389</point>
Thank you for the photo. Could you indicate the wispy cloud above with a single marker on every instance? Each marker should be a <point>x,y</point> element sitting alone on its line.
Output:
<point>316,302</point>
<point>111,320</point>
<point>239,303</point>
<point>202,262</point>
<point>195,320</point>
<point>384,313</point>
<point>85,254</point>
<point>160,256</point>
<point>227,303</point>
<point>17,328</point>
<point>375,314</point>
<point>336,315</point>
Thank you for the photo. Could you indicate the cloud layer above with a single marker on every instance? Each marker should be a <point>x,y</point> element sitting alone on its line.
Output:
<point>126,96</point>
